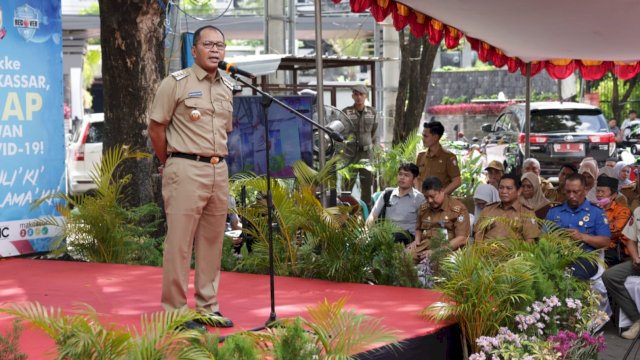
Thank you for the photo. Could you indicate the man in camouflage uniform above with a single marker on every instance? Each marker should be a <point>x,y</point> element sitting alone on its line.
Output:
<point>365,124</point>
<point>436,161</point>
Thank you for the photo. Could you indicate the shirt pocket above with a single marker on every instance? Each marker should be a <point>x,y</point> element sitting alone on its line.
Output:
<point>199,104</point>
<point>224,109</point>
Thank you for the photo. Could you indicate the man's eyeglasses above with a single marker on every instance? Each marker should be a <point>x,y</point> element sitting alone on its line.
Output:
<point>210,44</point>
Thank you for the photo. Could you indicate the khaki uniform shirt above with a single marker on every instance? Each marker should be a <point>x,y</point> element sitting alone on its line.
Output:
<point>524,227</point>
<point>365,126</point>
<point>451,216</point>
<point>440,163</point>
<point>197,111</point>
<point>555,195</point>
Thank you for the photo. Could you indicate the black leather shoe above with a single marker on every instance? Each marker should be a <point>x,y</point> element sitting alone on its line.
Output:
<point>194,325</point>
<point>215,319</point>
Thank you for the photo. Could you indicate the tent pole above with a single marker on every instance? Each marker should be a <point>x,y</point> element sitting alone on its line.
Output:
<point>320,92</point>
<point>527,115</point>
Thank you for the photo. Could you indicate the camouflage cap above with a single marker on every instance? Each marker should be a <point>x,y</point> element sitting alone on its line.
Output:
<point>360,89</point>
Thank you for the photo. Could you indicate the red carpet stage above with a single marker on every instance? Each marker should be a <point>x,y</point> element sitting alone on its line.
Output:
<point>121,293</point>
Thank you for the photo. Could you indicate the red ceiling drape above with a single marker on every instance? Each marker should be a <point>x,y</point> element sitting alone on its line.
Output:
<point>421,25</point>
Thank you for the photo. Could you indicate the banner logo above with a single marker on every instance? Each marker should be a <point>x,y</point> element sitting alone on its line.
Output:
<point>3,31</point>
<point>26,20</point>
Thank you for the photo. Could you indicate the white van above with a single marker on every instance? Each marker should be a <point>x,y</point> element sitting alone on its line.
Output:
<point>84,154</point>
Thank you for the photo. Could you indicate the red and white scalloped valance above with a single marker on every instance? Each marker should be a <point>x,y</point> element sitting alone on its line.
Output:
<point>421,25</point>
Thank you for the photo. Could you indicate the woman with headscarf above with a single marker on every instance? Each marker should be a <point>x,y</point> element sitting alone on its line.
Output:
<point>532,196</point>
<point>485,194</point>
<point>589,169</point>
<point>621,171</point>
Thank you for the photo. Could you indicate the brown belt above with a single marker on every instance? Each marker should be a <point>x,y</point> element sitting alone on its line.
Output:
<point>211,160</point>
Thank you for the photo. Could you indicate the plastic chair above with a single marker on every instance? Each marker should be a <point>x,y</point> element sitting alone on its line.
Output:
<point>598,285</point>
<point>632,283</point>
<point>364,208</point>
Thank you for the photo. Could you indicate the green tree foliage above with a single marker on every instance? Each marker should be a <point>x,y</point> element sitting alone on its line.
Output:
<point>387,161</point>
<point>617,96</point>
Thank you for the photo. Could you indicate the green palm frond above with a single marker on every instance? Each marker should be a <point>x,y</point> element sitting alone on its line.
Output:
<point>342,333</point>
<point>76,336</point>
<point>387,161</point>
<point>481,294</point>
<point>308,177</point>
<point>99,228</point>
<point>160,334</point>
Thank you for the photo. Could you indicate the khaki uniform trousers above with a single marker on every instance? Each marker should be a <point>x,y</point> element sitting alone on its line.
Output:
<point>195,198</point>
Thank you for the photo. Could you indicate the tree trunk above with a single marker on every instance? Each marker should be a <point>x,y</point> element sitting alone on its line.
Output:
<point>616,107</point>
<point>416,64</point>
<point>132,35</point>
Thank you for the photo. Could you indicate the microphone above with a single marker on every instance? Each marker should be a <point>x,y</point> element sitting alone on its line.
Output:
<point>232,69</point>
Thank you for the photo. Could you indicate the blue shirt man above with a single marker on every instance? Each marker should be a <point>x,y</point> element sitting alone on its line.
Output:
<point>584,221</point>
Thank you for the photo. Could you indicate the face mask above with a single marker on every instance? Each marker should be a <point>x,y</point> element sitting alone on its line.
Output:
<point>603,202</point>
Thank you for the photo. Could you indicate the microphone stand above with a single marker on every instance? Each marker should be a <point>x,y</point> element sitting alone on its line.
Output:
<point>267,99</point>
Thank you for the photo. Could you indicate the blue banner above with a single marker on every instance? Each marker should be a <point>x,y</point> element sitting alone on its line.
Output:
<point>32,150</point>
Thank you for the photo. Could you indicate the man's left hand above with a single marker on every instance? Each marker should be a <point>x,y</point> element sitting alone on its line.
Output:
<point>576,235</point>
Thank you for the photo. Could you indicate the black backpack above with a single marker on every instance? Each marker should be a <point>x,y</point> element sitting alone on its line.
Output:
<point>385,197</point>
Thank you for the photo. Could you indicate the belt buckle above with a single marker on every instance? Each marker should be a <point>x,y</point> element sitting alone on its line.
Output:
<point>214,160</point>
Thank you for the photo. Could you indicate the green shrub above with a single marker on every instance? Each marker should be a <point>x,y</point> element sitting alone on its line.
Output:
<point>100,228</point>
<point>10,343</point>
<point>295,344</point>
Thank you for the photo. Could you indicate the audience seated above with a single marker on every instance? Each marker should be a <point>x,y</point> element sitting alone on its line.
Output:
<point>523,224</point>
<point>494,170</point>
<point>615,276</point>
<point>440,214</point>
<point>584,221</point>
<point>589,170</point>
<point>556,195</point>
<point>617,215</point>
<point>401,204</point>
<point>531,195</point>
<point>485,195</point>
<point>533,165</point>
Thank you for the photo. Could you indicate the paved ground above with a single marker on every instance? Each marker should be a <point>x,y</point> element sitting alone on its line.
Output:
<point>617,346</point>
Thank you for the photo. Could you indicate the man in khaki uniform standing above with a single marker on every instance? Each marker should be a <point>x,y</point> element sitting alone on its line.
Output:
<point>439,214</point>
<point>436,161</point>
<point>523,224</point>
<point>365,121</point>
<point>189,121</point>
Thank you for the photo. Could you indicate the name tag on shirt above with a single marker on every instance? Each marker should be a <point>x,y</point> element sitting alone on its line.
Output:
<point>195,94</point>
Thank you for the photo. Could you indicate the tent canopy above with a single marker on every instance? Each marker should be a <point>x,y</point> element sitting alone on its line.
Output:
<point>592,36</point>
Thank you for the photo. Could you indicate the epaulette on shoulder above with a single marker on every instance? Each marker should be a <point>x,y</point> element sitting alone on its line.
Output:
<point>424,206</point>
<point>554,204</point>
<point>527,207</point>
<point>179,75</point>
<point>227,83</point>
